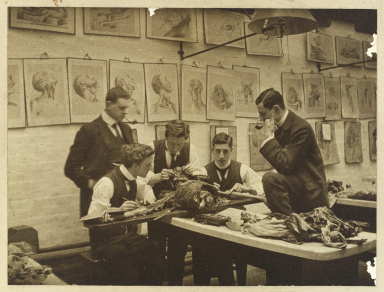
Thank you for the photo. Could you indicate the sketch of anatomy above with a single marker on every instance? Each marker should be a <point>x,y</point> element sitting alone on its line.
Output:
<point>15,94</point>
<point>349,100</point>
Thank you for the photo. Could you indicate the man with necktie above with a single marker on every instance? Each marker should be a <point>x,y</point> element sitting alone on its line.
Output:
<point>96,149</point>
<point>129,258</point>
<point>230,175</point>
<point>171,152</point>
<point>290,147</point>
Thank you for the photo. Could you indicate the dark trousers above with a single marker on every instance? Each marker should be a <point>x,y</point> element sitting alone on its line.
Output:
<point>212,258</point>
<point>130,259</point>
<point>285,193</point>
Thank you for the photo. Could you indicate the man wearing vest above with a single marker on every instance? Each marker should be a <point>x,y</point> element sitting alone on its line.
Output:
<point>129,258</point>
<point>96,149</point>
<point>230,175</point>
<point>171,152</point>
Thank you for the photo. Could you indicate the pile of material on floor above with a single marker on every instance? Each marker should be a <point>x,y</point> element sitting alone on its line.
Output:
<point>318,225</point>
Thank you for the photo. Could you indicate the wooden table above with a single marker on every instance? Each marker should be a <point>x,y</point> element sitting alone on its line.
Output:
<point>287,263</point>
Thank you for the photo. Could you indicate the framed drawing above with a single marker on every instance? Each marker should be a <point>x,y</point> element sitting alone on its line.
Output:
<point>174,24</point>
<point>231,131</point>
<point>56,19</point>
<point>348,51</point>
<point>314,94</point>
<point>160,133</point>
<point>258,162</point>
<point>349,104</point>
<point>373,64</point>
<point>130,77</point>
<point>46,90</point>
<point>366,98</point>
<point>87,88</point>
<point>162,92</point>
<point>352,142</point>
<point>221,94</point>
<point>247,84</point>
<point>15,94</point>
<point>262,44</point>
<point>326,139</point>
<point>332,98</point>
<point>134,136</point>
<point>372,132</point>
<point>112,21</point>
<point>220,27</point>
<point>293,93</point>
<point>193,94</point>
<point>320,48</point>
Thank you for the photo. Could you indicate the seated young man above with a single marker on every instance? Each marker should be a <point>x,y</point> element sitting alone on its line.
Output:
<point>129,258</point>
<point>212,254</point>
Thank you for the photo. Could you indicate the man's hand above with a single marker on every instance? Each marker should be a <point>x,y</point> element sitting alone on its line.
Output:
<point>129,206</point>
<point>243,189</point>
<point>269,127</point>
<point>165,174</point>
<point>105,217</point>
<point>148,200</point>
<point>188,169</point>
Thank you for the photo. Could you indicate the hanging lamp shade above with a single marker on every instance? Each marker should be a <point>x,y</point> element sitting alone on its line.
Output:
<point>279,22</point>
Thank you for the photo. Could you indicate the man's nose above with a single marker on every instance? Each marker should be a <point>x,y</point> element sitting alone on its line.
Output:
<point>221,154</point>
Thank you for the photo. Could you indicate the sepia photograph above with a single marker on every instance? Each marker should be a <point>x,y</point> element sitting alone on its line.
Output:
<point>320,48</point>
<point>348,51</point>
<point>314,93</point>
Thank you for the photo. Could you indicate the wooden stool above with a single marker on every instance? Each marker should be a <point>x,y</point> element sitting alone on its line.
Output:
<point>94,274</point>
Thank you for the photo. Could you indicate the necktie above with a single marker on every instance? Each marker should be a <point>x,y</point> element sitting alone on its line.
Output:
<point>132,189</point>
<point>117,131</point>
<point>222,174</point>
<point>173,161</point>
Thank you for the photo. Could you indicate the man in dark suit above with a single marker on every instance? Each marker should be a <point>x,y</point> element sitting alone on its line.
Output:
<point>96,150</point>
<point>291,148</point>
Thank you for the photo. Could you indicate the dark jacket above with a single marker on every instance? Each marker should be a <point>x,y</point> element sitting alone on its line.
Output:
<point>294,151</point>
<point>233,175</point>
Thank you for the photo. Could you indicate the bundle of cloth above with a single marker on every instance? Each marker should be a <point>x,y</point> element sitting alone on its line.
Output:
<point>318,225</point>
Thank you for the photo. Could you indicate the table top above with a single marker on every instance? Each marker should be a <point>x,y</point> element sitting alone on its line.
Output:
<point>51,279</point>
<point>152,216</point>
<point>355,202</point>
<point>311,250</point>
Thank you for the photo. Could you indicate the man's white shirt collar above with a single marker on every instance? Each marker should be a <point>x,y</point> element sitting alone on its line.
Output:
<point>126,173</point>
<point>108,119</point>
<point>223,167</point>
<point>281,122</point>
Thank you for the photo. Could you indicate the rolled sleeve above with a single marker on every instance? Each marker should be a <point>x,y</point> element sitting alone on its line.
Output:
<point>102,194</point>
<point>251,179</point>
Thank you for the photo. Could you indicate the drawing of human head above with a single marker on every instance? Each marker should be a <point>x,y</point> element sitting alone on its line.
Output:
<point>163,88</point>
<point>125,82</point>
<point>45,83</point>
<point>220,97</point>
<point>86,87</point>
<point>195,88</point>
<point>228,26</point>
<point>173,18</point>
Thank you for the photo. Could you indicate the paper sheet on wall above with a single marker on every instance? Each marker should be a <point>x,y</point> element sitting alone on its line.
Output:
<point>222,130</point>
<point>326,129</point>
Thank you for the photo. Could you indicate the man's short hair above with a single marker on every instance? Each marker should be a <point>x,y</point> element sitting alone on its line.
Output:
<point>270,97</point>
<point>115,93</point>
<point>222,138</point>
<point>135,153</point>
<point>177,128</point>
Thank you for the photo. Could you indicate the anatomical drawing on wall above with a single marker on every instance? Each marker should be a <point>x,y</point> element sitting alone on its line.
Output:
<point>320,48</point>
<point>46,92</point>
<point>373,64</point>
<point>261,44</point>
<point>87,88</point>
<point>112,21</point>
<point>314,95</point>
<point>332,98</point>
<point>175,24</point>
<point>130,77</point>
<point>372,133</point>
<point>293,93</point>
<point>348,51</point>
<point>15,94</point>
<point>162,92</point>
<point>257,162</point>
<point>194,94</point>
<point>326,139</point>
<point>220,27</point>
<point>366,98</point>
<point>350,106</point>
<point>352,142</point>
<point>57,19</point>
<point>221,94</point>
<point>247,90</point>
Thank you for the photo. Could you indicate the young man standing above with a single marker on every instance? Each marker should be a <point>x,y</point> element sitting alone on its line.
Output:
<point>129,258</point>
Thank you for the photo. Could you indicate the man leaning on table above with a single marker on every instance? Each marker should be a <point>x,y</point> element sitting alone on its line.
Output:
<point>130,258</point>
<point>209,253</point>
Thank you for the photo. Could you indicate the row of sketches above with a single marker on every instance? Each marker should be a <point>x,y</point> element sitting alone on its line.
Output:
<point>175,24</point>
<point>213,93</point>
<point>320,49</point>
<point>315,96</point>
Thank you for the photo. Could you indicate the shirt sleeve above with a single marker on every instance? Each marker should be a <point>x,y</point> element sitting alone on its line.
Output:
<point>102,194</point>
<point>251,179</point>
<point>144,191</point>
<point>151,172</point>
<point>194,160</point>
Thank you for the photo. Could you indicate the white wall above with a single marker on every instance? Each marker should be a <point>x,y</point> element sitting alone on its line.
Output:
<point>39,194</point>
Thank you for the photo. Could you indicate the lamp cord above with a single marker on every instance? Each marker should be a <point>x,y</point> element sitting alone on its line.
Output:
<point>289,62</point>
